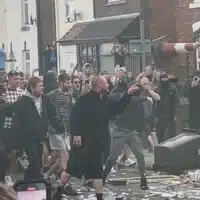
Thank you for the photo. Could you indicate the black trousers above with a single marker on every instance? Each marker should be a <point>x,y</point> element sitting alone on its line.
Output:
<point>166,129</point>
<point>3,159</point>
<point>34,150</point>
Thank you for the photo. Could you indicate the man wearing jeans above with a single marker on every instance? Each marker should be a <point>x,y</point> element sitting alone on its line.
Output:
<point>126,128</point>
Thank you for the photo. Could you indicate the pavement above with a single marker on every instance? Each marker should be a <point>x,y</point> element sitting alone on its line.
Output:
<point>161,186</point>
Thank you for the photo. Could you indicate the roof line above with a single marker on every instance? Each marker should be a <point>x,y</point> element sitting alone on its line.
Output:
<point>80,39</point>
<point>109,18</point>
<point>117,17</point>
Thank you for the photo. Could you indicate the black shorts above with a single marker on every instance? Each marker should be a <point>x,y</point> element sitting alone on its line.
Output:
<point>86,161</point>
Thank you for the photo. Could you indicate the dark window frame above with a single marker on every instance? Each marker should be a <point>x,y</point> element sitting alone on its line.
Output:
<point>86,58</point>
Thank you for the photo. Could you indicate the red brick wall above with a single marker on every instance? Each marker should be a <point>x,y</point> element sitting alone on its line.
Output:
<point>163,19</point>
<point>103,9</point>
<point>185,17</point>
<point>175,20</point>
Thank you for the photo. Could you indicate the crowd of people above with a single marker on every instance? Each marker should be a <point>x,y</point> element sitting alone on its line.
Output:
<point>79,125</point>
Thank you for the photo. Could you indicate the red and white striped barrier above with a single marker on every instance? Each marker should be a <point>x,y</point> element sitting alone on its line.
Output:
<point>173,49</point>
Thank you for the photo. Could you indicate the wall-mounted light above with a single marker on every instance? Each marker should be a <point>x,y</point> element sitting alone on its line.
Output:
<point>3,10</point>
<point>25,46</point>
<point>32,20</point>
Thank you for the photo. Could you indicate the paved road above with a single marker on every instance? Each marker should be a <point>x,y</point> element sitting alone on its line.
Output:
<point>169,187</point>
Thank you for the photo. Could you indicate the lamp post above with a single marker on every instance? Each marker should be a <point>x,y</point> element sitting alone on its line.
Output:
<point>142,36</point>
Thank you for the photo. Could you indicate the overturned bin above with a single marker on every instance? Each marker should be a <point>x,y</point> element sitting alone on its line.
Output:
<point>179,153</point>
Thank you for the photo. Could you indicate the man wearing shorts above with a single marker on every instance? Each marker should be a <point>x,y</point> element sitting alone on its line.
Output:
<point>59,144</point>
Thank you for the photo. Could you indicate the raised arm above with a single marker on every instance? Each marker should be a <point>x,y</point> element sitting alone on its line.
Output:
<point>155,96</point>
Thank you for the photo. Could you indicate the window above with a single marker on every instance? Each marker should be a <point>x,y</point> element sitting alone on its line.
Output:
<point>196,37</point>
<point>198,58</point>
<point>88,54</point>
<point>70,10</point>
<point>106,58</point>
<point>106,48</point>
<point>26,61</point>
<point>194,4</point>
<point>25,12</point>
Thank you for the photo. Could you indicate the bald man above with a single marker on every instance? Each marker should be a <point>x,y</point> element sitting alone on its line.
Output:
<point>89,128</point>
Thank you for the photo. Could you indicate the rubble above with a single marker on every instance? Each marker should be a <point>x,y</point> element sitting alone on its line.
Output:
<point>184,187</point>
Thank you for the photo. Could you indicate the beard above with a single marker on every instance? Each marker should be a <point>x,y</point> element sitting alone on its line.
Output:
<point>66,89</point>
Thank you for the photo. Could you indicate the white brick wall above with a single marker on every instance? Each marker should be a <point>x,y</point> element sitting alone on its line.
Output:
<point>67,54</point>
<point>3,32</point>
<point>12,20</point>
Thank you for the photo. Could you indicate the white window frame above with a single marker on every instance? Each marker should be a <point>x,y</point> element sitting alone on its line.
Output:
<point>195,4</point>
<point>26,61</point>
<point>198,58</point>
<point>196,1</point>
<point>69,14</point>
<point>195,27</point>
<point>25,12</point>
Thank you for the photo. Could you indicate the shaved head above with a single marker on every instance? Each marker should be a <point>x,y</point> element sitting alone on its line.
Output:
<point>99,83</point>
<point>95,81</point>
<point>144,81</point>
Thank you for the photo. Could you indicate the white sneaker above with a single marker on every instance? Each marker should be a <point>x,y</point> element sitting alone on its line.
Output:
<point>119,159</point>
<point>130,162</point>
<point>9,181</point>
<point>113,171</point>
<point>45,176</point>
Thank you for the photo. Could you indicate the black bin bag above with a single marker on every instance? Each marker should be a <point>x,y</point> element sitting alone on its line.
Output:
<point>179,153</point>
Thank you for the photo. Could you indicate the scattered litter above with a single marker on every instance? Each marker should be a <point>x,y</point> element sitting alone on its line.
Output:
<point>23,161</point>
<point>194,176</point>
<point>169,195</point>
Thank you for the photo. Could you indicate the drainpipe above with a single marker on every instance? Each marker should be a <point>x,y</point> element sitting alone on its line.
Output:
<point>57,34</point>
<point>39,38</point>
<point>142,36</point>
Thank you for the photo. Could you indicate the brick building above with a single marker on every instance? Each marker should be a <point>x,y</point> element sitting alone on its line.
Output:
<point>175,19</point>
<point>162,19</point>
<point>113,20</point>
<point>179,20</point>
